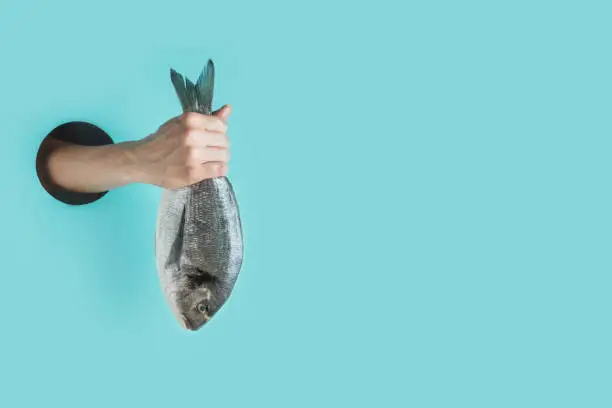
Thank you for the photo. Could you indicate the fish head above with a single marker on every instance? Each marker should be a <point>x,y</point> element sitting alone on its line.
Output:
<point>196,300</point>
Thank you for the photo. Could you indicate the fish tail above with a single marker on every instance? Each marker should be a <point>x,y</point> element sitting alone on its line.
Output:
<point>195,97</point>
<point>205,86</point>
<point>181,91</point>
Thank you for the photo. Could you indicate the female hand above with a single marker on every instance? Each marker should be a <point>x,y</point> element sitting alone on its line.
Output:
<point>184,150</point>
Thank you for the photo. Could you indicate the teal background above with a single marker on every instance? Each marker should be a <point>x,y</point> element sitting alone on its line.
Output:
<point>424,188</point>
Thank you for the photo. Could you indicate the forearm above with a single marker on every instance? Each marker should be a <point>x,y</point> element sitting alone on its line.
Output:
<point>92,169</point>
<point>183,151</point>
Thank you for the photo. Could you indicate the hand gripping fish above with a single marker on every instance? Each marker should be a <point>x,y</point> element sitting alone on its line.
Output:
<point>198,238</point>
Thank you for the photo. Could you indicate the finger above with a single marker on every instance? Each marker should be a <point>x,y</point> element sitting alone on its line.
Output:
<point>223,169</point>
<point>201,155</point>
<point>215,155</point>
<point>194,120</point>
<point>211,170</point>
<point>216,139</point>
<point>205,138</point>
<point>224,112</point>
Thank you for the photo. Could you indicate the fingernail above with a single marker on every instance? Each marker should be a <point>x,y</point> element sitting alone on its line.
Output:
<point>226,111</point>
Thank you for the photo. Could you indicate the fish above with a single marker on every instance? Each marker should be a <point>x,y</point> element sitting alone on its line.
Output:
<point>198,234</point>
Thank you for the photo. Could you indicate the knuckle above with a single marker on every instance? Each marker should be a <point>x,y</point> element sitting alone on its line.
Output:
<point>184,119</point>
<point>217,123</point>
<point>191,156</point>
<point>208,136</point>
<point>189,118</point>
<point>190,137</point>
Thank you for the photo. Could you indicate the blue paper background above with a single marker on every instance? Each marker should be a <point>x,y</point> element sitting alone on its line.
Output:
<point>424,186</point>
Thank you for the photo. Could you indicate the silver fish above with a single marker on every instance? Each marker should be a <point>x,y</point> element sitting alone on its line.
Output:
<point>198,238</point>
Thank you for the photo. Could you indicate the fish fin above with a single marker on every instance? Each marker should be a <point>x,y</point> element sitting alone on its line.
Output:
<point>205,87</point>
<point>192,96</point>
<point>176,248</point>
<point>195,97</point>
<point>179,86</point>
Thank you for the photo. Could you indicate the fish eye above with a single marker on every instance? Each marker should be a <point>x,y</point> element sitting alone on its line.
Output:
<point>202,307</point>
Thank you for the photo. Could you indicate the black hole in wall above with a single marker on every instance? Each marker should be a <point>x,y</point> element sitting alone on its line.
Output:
<point>81,133</point>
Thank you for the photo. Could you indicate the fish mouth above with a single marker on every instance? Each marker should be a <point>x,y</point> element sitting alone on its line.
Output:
<point>185,323</point>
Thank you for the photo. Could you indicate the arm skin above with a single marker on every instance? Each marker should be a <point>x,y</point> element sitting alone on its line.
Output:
<point>183,151</point>
<point>96,169</point>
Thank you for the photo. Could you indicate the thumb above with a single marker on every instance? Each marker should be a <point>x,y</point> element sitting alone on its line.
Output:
<point>224,112</point>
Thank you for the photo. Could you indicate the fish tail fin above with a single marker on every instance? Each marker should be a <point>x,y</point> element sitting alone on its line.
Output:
<point>195,97</point>
<point>181,91</point>
<point>205,86</point>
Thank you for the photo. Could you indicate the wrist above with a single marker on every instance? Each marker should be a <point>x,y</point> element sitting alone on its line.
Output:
<point>135,168</point>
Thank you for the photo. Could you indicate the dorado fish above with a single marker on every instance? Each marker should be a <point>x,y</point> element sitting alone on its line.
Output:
<point>198,238</point>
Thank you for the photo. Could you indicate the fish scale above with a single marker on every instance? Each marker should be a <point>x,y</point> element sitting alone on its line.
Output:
<point>198,239</point>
